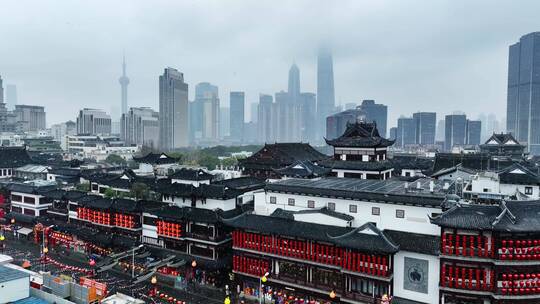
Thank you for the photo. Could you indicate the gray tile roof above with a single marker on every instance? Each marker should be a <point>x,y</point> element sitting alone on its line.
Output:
<point>9,274</point>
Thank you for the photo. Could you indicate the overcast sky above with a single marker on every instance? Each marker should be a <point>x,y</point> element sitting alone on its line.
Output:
<point>411,55</point>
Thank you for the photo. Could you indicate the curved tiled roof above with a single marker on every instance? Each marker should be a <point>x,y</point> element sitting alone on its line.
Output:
<point>354,238</point>
<point>360,135</point>
<point>511,216</point>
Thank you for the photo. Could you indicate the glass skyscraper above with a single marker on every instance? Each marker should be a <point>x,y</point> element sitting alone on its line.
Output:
<point>455,129</point>
<point>425,124</point>
<point>523,99</point>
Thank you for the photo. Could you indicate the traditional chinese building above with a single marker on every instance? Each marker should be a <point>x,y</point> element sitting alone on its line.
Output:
<point>503,145</point>
<point>360,152</point>
<point>490,253</point>
<point>309,261</point>
<point>271,157</point>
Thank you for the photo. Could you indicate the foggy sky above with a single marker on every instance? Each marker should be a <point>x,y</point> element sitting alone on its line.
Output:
<point>411,55</point>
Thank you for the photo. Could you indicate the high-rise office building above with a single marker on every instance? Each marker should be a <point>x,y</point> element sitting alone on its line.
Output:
<point>523,99</point>
<point>474,131</point>
<point>59,131</point>
<point>393,133</point>
<point>1,90</point>
<point>224,122</point>
<point>377,113</point>
<point>254,112</point>
<point>308,114</point>
<point>30,118</point>
<point>237,116</point>
<point>140,126</point>
<point>455,130</point>
<point>11,96</point>
<point>294,83</point>
<point>210,119</point>
<point>267,122</point>
<point>173,110</point>
<point>124,82</point>
<point>439,134</point>
<point>205,113</point>
<point>93,122</point>
<point>406,132</point>
<point>336,124</point>
<point>425,124</point>
<point>325,88</point>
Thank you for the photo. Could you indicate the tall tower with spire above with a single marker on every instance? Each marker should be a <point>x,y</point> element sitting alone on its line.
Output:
<point>294,83</point>
<point>124,81</point>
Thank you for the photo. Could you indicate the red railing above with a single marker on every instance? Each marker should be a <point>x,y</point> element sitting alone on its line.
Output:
<point>94,216</point>
<point>311,251</point>
<point>520,284</point>
<point>124,220</point>
<point>519,250</point>
<point>466,245</point>
<point>253,266</point>
<point>466,278</point>
<point>169,229</point>
<point>106,218</point>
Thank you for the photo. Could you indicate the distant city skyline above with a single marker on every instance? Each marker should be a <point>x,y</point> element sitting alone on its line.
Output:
<point>428,65</point>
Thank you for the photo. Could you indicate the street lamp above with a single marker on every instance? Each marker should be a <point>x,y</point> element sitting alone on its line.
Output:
<point>262,279</point>
<point>133,259</point>
<point>12,221</point>
<point>194,264</point>
<point>332,294</point>
<point>45,250</point>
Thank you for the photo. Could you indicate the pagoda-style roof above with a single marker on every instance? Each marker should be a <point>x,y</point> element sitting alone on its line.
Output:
<point>360,135</point>
<point>519,175</point>
<point>303,169</point>
<point>156,159</point>
<point>502,139</point>
<point>511,216</point>
<point>191,175</point>
<point>279,155</point>
<point>365,238</point>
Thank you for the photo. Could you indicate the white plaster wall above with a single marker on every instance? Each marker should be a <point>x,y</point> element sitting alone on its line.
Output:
<point>510,189</point>
<point>321,219</point>
<point>432,296</point>
<point>416,218</point>
<point>15,290</point>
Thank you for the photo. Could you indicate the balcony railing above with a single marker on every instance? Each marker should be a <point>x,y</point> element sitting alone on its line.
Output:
<point>466,278</point>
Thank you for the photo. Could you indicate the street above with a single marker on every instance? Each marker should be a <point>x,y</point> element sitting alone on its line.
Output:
<point>116,280</point>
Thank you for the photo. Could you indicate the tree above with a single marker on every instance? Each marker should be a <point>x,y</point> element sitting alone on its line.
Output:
<point>139,191</point>
<point>110,193</point>
<point>208,161</point>
<point>229,161</point>
<point>83,187</point>
<point>115,160</point>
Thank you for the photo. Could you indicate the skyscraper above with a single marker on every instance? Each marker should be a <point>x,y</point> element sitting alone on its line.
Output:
<point>308,114</point>
<point>140,126</point>
<point>93,122</point>
<point>124,81</point>
<point>237,116</point>
<point>406,132</point>
<point>30,118</point>
<point>224,121</point>
<point>294,83</point>
<point>455,131</point>
<point>11,96</point>
<point>204,113</point>
<point>266,119</point>
<point>173,110</point>
<point>425,124</point>
<point>377,113</point>
<point>523,96</point>
<point>336,124</point>
<point>325,88</point>
<point>1,90</point>
<point>474,131</point>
